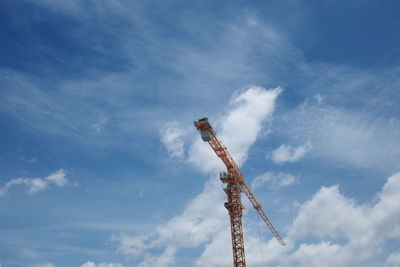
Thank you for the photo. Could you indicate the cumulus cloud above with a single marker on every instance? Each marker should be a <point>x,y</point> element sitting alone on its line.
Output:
<point>349,233</point>
<point>35,185</point>
<point>330,230</point>
<point>321,254</point>
<point>287,153</point>
<point>165,259</point>
<point>274,180</point>
<point>218,252</point>
<point>101,264</point>
<point>249,110</point>
<point>171,138</point>
<point>198,223</point>
<point>239,129</point>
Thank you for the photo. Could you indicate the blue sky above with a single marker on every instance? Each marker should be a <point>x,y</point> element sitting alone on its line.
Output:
<point>101,165</point>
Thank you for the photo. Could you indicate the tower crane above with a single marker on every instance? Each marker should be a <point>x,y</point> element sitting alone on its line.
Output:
<point>235,185</point>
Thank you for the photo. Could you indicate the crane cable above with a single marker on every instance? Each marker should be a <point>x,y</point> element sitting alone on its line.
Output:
<point>260,241</point>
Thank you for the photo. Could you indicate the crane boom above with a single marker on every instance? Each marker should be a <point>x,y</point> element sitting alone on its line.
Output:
<point>235,185</point>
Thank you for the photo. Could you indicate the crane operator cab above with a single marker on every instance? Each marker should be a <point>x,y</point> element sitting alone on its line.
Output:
<point>204,127</point>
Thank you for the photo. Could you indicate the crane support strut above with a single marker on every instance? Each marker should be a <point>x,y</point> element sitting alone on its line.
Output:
<point>235,185</point>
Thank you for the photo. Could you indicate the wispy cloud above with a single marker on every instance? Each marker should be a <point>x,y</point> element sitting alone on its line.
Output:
<point>288,153</point>
<point>274,180</point>
<point>28,160</point>
<point>49,264</point>
<point>319,98</point>
<point>191,73</point>
<point>393,260</point>
<point>172,139</point>
<point>36,185</point>
<point>101,264</point>
<point>88,109</point>
<point>342,136</point>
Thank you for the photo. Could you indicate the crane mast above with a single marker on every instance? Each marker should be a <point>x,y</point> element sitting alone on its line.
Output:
<point>235,185</point>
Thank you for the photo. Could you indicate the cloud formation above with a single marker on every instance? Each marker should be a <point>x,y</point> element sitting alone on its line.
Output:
<point>76,106</point>
<point>330,230</point>
<point>368,139</point>
<point>199,223</point>
<point>274,180</point>
<point>348,233</point>
<point>288,153</point>
<point>36,185</point>
<point>171,138</point>
<point>101,264</point>
<point>239,129</point>
<point>393,260</point>
<point>43,265</point>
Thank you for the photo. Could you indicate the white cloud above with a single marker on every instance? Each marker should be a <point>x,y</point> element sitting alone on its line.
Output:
<point>29,160</point>
<point>44,265</point>
<point>287,153</point>
<point>172,139</point>
<point>329,230</point>
<point>194,226</point>
<point>99,123</point>
<point>393,260</point>
<point>319,98</point>
<point>321,254</point>
<point>239,129</point>
<point>101,264</point>
<point>344,136</point>
<point>249,110</point>
<point>356,232</point>
<point>274,180</point>
<point>75,7</point>
<point>165,259</point>
<point>75,110</point>
<point>226,67</point>
<point>205,216</point>
<point>35,185</point>
<point>218,252</point>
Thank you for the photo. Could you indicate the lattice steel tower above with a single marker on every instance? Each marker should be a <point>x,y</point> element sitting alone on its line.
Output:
<point>235,185</point>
